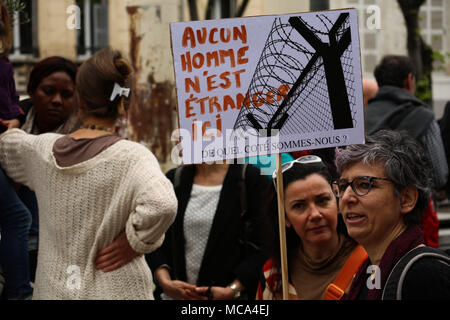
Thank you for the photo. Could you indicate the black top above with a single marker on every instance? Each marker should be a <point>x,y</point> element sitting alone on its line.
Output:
<point>225,258</point>
<point>428,279</point>
<point>394,108</point>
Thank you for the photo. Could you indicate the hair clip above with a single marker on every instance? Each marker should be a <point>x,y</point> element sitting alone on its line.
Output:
<point>119,91</point>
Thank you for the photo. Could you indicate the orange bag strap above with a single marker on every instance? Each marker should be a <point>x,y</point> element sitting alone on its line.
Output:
<point>335,290</point>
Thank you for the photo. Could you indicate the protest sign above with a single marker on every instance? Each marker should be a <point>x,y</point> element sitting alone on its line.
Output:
<point>269,84</point>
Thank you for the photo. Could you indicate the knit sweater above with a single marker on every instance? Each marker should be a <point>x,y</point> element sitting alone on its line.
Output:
<point>85,207</point>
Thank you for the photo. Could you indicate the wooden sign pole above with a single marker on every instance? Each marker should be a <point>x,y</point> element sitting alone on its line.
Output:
<point>282,229</point>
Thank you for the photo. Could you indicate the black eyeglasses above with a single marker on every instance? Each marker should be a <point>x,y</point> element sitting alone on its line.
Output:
<point>360,185</point>
<point>303,160</point>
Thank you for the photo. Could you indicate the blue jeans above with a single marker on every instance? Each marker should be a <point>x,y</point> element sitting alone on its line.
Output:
<point>15,222</point>
<point>28,198</point>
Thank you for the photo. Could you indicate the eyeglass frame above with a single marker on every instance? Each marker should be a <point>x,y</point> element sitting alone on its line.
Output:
<point>308,159</point>
<point>371,184</point>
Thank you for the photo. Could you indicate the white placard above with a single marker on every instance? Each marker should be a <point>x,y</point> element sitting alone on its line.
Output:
<point>269,84</point>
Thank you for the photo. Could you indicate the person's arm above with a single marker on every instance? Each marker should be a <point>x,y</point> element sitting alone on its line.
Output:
<point>10,124</point>
<point>434,148</point>
<point>154,210</point>
<point>161,256</point>
<point>230,292</point>
<point>176,289</point>
<point>16,149</point>
<point>116,254</point>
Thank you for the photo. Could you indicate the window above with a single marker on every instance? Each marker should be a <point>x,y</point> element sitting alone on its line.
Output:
<point>25,32</point>
<point>369,39</point>
<point>93,34</point>
<point>432,24</point>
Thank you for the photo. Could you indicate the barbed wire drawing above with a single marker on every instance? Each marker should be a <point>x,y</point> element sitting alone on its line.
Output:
<point>313,59</point>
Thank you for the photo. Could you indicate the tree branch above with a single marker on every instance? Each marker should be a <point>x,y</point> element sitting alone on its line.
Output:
<point>418,50</point>
<point>209,9</point>
<point>193,11</point>
<point>242,8</point>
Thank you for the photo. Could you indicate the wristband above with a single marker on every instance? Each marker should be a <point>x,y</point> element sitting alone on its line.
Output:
<point>236,291</point>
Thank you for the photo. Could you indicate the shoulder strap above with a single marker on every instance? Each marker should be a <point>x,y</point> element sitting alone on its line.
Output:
<point>335,290</point>
<point>394,284</point>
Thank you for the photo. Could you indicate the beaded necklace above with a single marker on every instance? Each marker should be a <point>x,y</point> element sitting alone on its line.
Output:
<point>95,127</point>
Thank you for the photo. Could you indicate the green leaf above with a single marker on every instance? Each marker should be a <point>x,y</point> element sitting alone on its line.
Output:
<point>423,91</point>
<point>17,6</point>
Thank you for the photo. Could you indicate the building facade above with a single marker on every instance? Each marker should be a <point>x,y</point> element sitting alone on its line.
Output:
<point>76,29</point>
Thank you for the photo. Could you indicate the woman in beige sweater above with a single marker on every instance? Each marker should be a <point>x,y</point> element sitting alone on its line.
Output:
<point>104,200</point>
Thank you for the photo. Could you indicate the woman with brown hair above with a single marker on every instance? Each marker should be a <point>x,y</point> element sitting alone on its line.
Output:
<point>104,201</point>
<point>322,259</point>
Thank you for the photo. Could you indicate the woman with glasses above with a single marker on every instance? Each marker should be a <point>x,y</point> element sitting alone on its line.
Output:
<point>383,188</point>
<point>322,259</point>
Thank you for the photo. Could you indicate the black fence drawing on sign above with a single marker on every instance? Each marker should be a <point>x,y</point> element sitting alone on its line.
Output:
<point>313,66</point>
